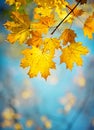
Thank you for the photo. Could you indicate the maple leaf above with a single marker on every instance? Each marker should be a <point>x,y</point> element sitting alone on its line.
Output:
<point>57,5</point>
<point>39,61</point>
<point>35,40</point>
<point>68,36</point>
<point>72,54</point>
<point>82,1</point>
<point>89,26</point>
<point>44,24</point>
<point>20,28</point>
<point>76,12</point>
<point>47,20</point>
<point>42,12</point>
<point>50,44</point>
<point>39,27</point>
<point>51,3</point>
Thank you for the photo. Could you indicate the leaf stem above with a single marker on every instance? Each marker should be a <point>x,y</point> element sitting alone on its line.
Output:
<point>65,17</point>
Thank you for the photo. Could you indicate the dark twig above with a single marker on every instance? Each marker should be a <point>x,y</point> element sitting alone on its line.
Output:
<point>65,17</point>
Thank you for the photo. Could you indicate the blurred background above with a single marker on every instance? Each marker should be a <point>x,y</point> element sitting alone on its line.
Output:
<point>64,102</point>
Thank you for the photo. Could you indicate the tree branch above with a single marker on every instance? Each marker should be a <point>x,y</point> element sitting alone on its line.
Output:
<point>65,17</point>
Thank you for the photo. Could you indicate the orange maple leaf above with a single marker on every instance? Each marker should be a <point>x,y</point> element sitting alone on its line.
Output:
<point>89,26</point>
<point>76,12</point>
<point>36,39</point>
<point>68,36</point>
<point>43,25</point>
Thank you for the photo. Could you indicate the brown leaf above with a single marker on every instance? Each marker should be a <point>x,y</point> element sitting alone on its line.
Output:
<point>68,36</point>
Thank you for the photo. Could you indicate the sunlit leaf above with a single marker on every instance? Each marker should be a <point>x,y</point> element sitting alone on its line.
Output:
<point>72,54</point>
<point>89,26</point>
<point>39,61</point>
<point>20,28</point>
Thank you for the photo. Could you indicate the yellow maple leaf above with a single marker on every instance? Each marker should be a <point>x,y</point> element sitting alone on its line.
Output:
<point>18,3</point>
<point>51,3</point>
<point>35,40</point>
<point>41,28</point>
<point>42,12</point>
<point>72,54</point>
<point>89,26</point>
<point>20,28</point>
<point>38,60</point>
<point>68,36</point>
<point>44,24</point>
<point>50,44</point>
<point>57,5</point>
<point>62,13</point>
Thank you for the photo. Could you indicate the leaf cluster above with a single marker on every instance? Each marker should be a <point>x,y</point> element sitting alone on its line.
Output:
<point>39,33</point>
